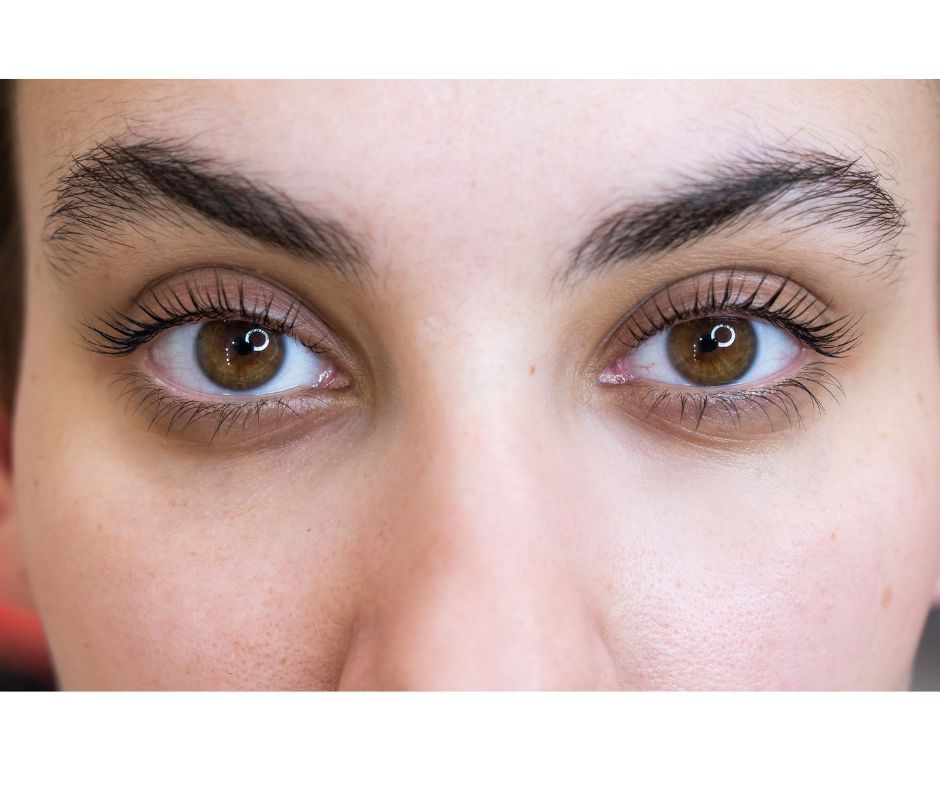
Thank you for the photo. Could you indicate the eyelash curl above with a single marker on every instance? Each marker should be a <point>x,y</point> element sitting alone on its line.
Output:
<point>120,334</point>
<point>799,312</point>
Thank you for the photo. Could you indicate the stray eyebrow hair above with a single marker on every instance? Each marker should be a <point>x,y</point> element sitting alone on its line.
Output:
<point>117,184</point>
<point>809,187</point>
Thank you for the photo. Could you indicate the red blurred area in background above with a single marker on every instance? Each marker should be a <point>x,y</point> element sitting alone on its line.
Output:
<point>23,645</point>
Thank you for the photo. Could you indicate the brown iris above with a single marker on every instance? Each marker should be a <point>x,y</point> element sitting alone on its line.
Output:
<point>239,356</point>
<point>712,351</point>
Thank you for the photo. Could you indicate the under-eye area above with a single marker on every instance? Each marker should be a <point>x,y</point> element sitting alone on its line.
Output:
<point>729,354</point>
<point>214,352</point>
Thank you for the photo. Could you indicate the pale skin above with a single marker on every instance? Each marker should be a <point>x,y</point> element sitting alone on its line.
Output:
<point>472,506</point>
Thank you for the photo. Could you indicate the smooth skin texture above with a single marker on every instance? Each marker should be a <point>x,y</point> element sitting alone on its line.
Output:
<point>476,511</point>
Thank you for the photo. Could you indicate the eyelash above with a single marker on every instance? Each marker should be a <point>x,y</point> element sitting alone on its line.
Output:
<point>801,314</point>
<point>121,334</point>
<point>778,395</point>
<point>145,394</point>
<point>831,338</point>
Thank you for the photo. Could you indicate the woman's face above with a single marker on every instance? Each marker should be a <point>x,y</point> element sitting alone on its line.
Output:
<point>480,385</point>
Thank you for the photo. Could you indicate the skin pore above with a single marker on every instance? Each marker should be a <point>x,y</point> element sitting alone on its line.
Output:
<point>475,468</point>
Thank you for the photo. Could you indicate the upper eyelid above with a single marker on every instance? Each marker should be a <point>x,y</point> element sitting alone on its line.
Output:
<point>802,312</point>
<point>159,307</point>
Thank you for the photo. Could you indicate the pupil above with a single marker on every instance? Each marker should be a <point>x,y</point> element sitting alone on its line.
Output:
<point>255,339</point>
<point>242,347</point>
<point>706,344</point>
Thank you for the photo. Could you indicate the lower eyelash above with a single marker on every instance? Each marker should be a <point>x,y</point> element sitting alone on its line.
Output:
<point>141,393</point>
<point>813,384</point>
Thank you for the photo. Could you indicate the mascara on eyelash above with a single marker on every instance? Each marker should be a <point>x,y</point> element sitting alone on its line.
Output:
<point>801,313</point>
<point>120,334</point>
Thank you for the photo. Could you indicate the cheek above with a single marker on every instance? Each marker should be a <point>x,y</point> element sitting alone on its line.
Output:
<point>154,579</point>
<point>820,580</point>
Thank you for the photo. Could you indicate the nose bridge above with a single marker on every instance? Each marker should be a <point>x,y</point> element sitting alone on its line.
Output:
<point>474,587</point>
<point>483,478</point>
<point>475,438</point>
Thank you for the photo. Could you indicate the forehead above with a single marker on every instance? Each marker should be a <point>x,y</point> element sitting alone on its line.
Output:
<point>480,132</point>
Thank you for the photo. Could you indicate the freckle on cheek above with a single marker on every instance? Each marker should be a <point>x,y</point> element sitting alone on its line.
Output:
<point>886,597</point>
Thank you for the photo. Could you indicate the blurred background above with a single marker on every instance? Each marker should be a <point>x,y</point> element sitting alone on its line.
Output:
<point>927,667</point>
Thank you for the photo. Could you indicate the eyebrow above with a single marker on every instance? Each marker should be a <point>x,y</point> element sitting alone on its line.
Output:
<point>117,184</point>
<point>808,188</point>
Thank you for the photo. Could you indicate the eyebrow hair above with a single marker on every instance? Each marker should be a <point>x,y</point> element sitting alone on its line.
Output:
<point>809,187</point>
<point>116,184</point>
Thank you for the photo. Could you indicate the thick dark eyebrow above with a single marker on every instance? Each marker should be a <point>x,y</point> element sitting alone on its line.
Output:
<point>116,184</point>
<point>805,188</point>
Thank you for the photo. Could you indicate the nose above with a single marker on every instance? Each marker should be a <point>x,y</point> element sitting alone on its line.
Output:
<point>474,586</point>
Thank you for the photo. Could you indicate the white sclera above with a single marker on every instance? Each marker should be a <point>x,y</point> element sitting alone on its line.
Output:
<point>777,349</point>
<point>174,355</point>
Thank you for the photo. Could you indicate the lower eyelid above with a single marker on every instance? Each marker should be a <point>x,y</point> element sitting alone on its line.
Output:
<point>752,413</point>
<point>206,422</point>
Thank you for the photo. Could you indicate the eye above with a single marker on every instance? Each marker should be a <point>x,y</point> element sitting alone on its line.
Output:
<point>728,355</point>
<point>710,352</point>
<point>231,357</point>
